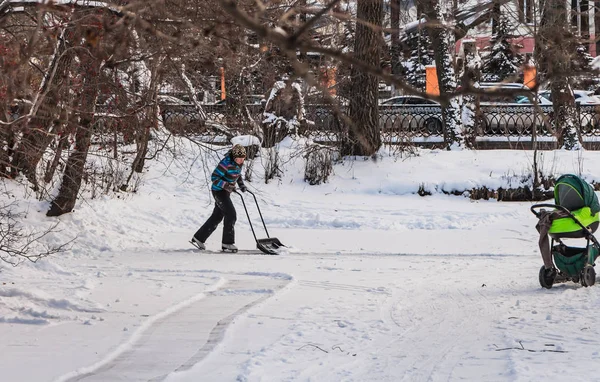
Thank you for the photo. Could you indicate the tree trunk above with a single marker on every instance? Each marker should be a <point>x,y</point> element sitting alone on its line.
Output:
<point>146,121</point>
<point>364,138</point>
<point>395,37</point>
<point>7,139</point>
<point>63,142</point>
<point>471,75</point>
<point>443,43</point>
<point>565,115</point>
<point>52,166</point>
<point>556,49</point>
<point>575,15</point>
<point>38,133</point>
<point>597,25</point>
<point>585,22</point>
<point>496,11</point>
<point>90,70</point>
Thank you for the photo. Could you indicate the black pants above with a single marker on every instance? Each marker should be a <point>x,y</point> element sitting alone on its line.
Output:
<point>224,209</point>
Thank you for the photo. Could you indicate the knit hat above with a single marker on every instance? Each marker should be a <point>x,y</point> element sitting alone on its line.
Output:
<point>238,151</point>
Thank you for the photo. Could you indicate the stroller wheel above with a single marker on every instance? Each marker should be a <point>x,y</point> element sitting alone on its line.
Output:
<point>588,277</point>
<point>547,277</point>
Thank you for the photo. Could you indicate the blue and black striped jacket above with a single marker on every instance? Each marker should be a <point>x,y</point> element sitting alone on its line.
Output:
<point>227,171</point>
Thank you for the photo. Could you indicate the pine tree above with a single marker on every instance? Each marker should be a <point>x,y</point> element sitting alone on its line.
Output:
<point>582,68</point>
<point>502,60</point>
<point>582,59</point>
<point>421,55</point>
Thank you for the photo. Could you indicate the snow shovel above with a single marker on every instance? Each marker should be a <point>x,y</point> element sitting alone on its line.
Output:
<point>270,245</point>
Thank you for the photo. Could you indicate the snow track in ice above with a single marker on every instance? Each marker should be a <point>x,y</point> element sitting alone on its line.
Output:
<point>182,335</point>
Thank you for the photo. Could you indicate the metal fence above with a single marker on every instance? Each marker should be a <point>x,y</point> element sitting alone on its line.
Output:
<point>403,122</point>
<point>522,120</point>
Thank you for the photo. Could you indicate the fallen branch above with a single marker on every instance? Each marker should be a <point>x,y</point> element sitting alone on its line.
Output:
<point>314,346</point>
<point>343,351</point>
<point>531,350</point>
<point>334,347</point>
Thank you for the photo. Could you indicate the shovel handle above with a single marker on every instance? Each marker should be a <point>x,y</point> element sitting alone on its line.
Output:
<point>260,213</point>
<point>247,215</point>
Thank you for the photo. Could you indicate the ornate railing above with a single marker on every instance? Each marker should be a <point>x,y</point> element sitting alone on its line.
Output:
<point>589,119</point>
<point>514,120</point>
<point>399,123</point>
<point>423,121</point>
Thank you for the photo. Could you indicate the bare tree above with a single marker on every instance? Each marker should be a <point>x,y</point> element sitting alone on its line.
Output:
<point>43,117</point>
<point>252,42</point>
<point>555,48</point>
<point>91,63</point>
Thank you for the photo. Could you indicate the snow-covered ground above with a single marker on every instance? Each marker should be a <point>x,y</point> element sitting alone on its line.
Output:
<point>378,283</point>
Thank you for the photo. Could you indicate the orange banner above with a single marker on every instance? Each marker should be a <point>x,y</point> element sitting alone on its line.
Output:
<point>431,81</point>
<point>223,94</point>
<point>529,74</point>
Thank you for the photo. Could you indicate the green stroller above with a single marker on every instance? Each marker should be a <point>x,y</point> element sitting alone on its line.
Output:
<point>575,214</point>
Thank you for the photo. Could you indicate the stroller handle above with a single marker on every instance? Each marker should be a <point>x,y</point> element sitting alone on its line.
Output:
<point>537,214</point>
<point>590,235</point>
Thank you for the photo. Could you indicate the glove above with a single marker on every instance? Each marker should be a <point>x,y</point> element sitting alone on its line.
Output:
<point>229,187</point>
<point>243,188</point>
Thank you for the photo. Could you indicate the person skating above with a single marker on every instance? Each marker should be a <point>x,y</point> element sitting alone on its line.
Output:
<point>224,178</point>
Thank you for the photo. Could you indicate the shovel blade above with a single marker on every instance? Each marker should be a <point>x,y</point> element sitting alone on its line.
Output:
<point>269,246</point>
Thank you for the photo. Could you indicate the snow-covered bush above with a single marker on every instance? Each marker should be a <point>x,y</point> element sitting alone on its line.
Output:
<point>284,112</point>
<point>319,164</point>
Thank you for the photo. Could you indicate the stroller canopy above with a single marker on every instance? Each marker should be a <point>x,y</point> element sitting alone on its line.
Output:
<point>573,193</point>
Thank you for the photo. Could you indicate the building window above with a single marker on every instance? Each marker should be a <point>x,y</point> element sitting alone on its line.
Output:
<point>580,17</point>
<point>526,11</point>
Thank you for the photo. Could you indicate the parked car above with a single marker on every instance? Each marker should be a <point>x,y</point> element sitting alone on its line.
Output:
<point>505,113</point>
<point>321,111</point>
<point>589,108</point>
<point>586,100</point>
<point>164,99</point>
<point>411,113</point>
<point>500,94</point>
<point>582,97</point>
<point>408,100</point>
<point>252,99</point>
<point>180,115</point>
